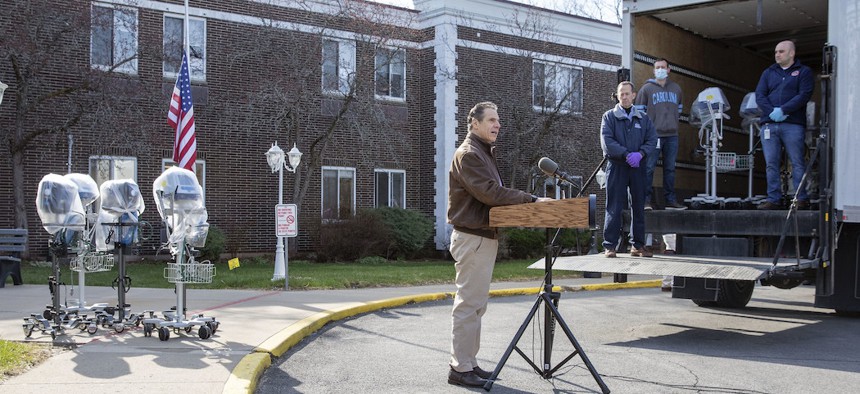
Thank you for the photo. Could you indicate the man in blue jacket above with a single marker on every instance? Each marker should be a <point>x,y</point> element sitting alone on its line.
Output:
<point>782,93</point>
<point>627,137</point>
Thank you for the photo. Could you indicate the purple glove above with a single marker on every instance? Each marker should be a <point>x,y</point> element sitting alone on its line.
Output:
<point>633,159</point>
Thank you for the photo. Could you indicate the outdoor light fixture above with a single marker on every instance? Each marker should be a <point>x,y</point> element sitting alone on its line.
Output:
<point>3,87</point>
<point>275,158</point>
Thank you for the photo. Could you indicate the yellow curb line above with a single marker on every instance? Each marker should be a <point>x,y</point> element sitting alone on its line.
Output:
<point>244,377</point>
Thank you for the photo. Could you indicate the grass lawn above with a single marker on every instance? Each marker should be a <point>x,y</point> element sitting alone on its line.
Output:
<point>16,357</point>
<point>256,273</point>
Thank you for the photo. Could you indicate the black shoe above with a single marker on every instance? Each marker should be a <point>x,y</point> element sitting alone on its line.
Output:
<point>468,379</point>
<point>481,373</point>
<point>674,206</point>
<point>768,206</point>
<point>648,207</point>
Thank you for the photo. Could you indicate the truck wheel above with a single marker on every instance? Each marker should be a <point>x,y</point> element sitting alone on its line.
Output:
<point>705,303</point>
<point>735,293</point>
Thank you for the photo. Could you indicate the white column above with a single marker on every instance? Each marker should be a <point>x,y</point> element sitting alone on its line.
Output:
<point>446,123</point>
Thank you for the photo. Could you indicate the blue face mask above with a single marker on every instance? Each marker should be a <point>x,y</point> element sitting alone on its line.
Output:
<point>661,73</point>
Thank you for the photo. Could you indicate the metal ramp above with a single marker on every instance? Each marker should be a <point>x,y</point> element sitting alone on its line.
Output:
<point>737,268</point>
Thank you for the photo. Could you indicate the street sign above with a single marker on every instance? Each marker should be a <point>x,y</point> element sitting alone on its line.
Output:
<point>286,221</point>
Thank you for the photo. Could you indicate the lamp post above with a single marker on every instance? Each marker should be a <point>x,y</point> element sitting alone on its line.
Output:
<point>275,157</point>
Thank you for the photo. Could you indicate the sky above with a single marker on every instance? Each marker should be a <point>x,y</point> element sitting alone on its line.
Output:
<point>604,9</point>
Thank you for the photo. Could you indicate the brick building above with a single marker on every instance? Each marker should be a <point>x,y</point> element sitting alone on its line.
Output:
<point>375,97</point>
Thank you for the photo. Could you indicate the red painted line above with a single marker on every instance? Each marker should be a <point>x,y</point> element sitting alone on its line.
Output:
<point>237,302</point>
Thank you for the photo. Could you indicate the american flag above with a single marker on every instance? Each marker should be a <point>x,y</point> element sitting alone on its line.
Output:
<point>181,118</point>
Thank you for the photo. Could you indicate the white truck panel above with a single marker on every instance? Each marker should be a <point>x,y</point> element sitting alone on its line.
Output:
<point>843,30</point>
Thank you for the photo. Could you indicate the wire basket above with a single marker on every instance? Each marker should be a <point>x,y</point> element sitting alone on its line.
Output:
<point>92,262</point>
<point>727,161</point>
<point>194,272</point>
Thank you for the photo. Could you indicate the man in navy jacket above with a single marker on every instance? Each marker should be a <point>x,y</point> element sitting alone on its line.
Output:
<point>782,93</point>
<point>627,137</point>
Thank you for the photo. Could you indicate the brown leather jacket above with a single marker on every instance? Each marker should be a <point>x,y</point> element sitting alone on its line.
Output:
<point>475,186</point>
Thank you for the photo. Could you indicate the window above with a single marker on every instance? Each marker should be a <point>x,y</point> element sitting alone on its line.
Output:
<point>391,73</point>
<point>338,66</point>
<point>338,193</point>
<point>107,168</point>
<point>558,86</point>
<point>390,188</point>
<point>174,45</point>
<point>113,41</point>
<point>199,171</point>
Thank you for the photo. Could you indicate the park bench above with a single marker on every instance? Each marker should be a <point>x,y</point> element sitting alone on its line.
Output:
<point>13,242</point>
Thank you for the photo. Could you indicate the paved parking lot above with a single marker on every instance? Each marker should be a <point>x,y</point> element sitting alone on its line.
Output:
<point>639,340</point>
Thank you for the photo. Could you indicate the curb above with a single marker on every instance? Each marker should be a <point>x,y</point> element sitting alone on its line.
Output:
<point>244,377</point>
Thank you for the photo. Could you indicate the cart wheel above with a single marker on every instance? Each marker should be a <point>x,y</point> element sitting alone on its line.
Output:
<point>28,329</point>
<point>82,326</point>
<point>204,332</point>
<point>134,320</point>
<point>92,329</point>
<point>188,329</point>
<point>47,314</point>
<point>163,333</point>
<point>147,329</point>
<point>119,327</point>
<point>213,325</point>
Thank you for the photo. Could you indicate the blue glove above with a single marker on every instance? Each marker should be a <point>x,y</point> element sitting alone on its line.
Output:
<point>633,159</point>
<point>777,116</point>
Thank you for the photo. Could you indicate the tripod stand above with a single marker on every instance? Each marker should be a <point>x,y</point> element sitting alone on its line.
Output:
<point>550,300</point>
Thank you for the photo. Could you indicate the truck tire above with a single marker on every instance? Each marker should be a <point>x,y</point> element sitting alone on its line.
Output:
<point>735,293</point>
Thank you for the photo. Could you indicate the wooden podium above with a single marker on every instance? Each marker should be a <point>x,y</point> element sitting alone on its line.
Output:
<point>565,213</point>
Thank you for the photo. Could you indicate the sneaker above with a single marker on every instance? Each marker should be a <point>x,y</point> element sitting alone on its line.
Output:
<point>768,206</point>
<point>634,252</point>
<point>648,207</point>
<point>669,252</point>
<point>675,206</point>
<point>610,253</point>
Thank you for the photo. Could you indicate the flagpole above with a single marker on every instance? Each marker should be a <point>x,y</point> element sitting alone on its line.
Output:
<point>187,45</point>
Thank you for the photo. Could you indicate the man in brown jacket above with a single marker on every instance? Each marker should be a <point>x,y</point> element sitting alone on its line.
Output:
<point>475,186</point>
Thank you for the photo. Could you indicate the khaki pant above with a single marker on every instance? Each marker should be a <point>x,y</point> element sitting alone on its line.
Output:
<point>475,258</point>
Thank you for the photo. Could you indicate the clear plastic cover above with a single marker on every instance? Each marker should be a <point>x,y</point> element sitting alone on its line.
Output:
<point>59,205</point>
<point>749,109</point>
<point>121,206</point>
<point>88,189</point>
<point>179,199</point>
<point>709,104</point>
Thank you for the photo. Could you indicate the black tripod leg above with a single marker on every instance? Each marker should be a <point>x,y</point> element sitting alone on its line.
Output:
<point>549,298</point>
<point>579,350</point>
<point>510,349</point>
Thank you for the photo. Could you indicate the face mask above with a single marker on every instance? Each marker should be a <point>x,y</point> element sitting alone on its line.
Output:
<point>661,73</point>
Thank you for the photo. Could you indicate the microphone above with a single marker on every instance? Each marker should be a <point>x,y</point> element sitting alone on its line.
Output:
<point>550,168</point>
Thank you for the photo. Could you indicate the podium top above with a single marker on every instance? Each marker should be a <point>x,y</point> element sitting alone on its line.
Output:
<point>564,213</point>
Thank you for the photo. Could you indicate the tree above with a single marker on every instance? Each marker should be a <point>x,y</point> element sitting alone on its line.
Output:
<point>326,100</point>
<point>44,43</point>
<point>538,124</point>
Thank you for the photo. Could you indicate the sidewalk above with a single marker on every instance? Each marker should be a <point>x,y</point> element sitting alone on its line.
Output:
<point>254,326</point>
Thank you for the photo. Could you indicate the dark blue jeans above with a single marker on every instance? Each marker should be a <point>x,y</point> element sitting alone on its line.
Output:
<point>791,136</point>
<point>668,148</point>
<point>620,178</point>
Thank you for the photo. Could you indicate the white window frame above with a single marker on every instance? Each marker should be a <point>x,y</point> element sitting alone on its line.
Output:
<point>390,199</point>
<point>196,64</point>
<point>345,68</point>
<point>340,171</point>
<point>558,87</point>
<point>199,171</point>
<point>117,48</point>
<point>390,66</point>
<point>112,168</point>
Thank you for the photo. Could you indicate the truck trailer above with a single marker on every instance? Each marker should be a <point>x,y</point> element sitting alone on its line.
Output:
<point>724,245</point>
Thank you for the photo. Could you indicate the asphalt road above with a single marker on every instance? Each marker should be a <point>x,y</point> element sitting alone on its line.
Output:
<point>639,340</point>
